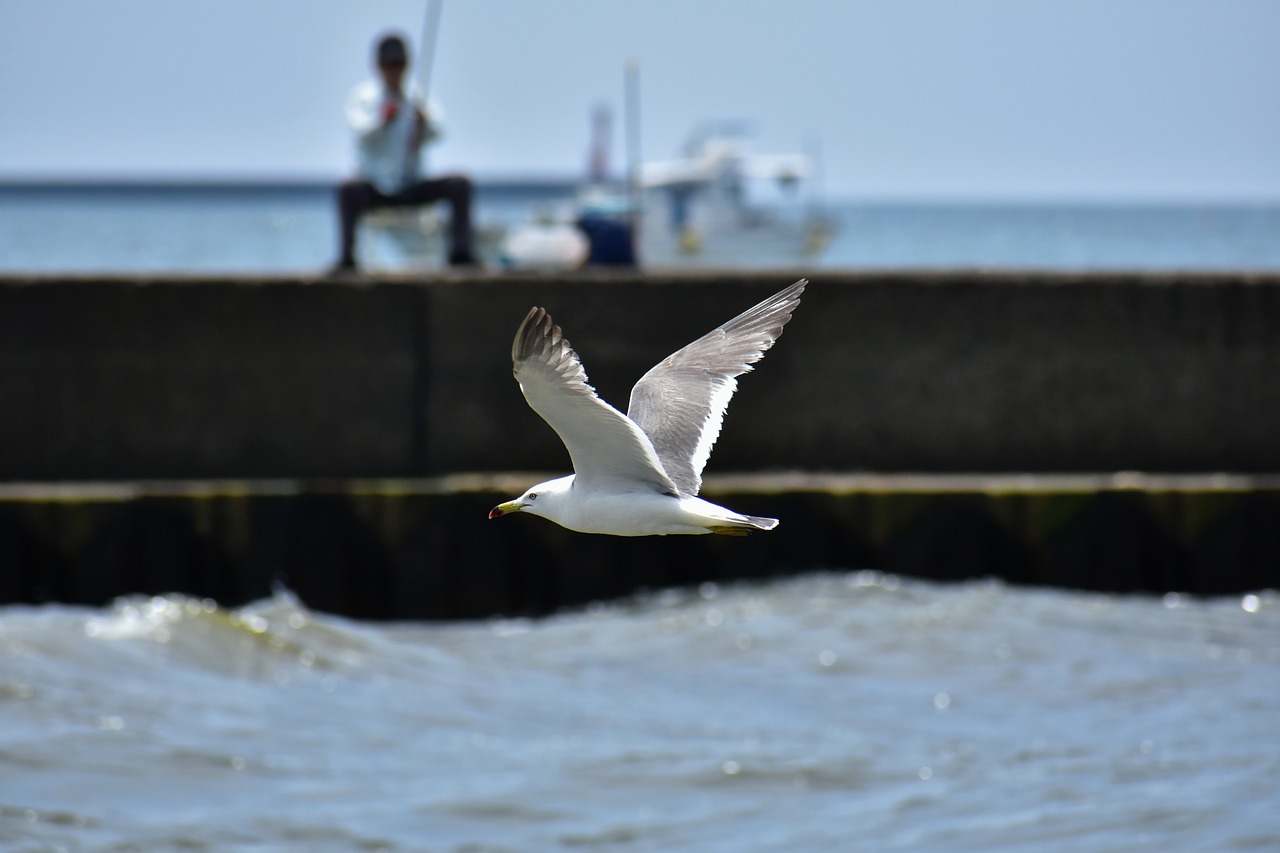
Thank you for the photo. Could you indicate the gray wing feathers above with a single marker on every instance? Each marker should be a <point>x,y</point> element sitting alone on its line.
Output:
<point>542,341</point>
<point>602,442</point>
<point>680,403</point>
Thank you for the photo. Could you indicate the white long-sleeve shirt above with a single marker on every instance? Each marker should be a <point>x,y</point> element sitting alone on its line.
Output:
<point>384,154</point>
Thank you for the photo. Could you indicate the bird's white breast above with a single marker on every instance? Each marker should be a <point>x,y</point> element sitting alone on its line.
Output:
<point>642,513</point>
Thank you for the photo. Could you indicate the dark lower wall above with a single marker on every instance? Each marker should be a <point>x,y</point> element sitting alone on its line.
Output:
<point>155,378</point>
<point>425,549</point>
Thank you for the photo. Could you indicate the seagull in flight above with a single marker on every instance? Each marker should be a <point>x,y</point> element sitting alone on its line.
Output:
<point>639,474</point>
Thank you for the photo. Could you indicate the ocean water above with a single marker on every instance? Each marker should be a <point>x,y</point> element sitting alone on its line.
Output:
<point>833,711</point>
<point>289,229</point>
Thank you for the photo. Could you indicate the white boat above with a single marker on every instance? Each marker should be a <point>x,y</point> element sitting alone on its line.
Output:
<point>722,205</point>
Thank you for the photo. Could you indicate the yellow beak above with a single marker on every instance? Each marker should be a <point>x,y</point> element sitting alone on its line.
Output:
<point>506,509</point>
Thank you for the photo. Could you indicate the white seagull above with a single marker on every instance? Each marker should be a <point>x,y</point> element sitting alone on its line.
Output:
<point>638,474</point>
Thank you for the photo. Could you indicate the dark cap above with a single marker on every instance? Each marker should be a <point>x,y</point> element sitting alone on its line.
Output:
<point>391,49</point>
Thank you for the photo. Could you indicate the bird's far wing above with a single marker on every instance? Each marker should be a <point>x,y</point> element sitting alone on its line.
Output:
<point>602,442</point>
<point>680,403</point>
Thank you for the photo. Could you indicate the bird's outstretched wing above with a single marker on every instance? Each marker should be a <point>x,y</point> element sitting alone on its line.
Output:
<point>603,443</point>
<point>680,403</point>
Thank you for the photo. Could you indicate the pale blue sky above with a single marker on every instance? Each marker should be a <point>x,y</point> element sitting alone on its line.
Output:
<point>944,99</point>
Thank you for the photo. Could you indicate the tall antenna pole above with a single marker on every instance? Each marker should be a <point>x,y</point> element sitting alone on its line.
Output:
<point>631,97</point>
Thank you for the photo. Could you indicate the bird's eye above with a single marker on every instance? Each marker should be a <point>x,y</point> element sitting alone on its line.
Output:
<point>533,496</point>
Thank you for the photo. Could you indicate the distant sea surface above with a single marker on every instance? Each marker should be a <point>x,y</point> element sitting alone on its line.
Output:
<point>833,711</point>
<point>291,228</point>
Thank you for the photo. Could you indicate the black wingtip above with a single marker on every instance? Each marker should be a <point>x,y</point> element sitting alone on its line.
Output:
<point>535,326</point>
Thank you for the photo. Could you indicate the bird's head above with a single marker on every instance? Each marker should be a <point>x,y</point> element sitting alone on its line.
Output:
<point>541,499</point>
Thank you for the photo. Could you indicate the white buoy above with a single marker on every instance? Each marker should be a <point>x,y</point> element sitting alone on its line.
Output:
<point>545,247</point>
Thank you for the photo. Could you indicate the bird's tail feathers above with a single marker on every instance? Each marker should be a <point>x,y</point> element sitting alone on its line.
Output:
<point>748,525</point>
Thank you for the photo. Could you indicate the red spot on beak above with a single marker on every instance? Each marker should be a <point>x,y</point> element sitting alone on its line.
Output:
<point>496,512</point>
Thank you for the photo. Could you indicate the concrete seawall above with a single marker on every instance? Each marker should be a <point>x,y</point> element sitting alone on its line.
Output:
<point>960,372</point>
<point>217,435</point>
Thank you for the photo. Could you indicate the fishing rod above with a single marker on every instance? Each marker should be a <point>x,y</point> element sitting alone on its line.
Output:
<point>427,47</point>
<point>426,55</point>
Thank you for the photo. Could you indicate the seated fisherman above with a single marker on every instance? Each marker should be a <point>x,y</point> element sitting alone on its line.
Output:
<point>391,126</point>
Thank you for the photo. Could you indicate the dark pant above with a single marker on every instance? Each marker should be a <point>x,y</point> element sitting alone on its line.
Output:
<point>357,197</point>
